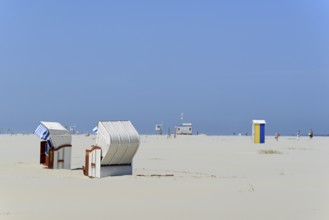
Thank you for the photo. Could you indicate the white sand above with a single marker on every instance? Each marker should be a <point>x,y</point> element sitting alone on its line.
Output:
<point>214,178</point>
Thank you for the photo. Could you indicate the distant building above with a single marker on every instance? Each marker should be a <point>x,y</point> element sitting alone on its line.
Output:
<point>184,129</point>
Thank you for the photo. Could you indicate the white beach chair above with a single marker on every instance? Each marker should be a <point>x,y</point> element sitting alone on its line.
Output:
<point>55,147</point>
<point>116,145</point>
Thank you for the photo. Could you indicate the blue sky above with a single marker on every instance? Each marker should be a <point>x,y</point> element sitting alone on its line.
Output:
<point>222,63</point>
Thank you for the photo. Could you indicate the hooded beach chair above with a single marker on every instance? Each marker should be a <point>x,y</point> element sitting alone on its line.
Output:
<point>55,145</point>
<point>116,145</point>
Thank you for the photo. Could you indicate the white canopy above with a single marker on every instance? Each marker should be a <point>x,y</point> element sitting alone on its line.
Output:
<point>55,132</point>
<point>55,128</point>
<point>119,141</point>
<point>258,121</point>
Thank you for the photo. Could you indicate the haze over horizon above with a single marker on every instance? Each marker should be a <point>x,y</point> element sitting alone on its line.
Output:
<point>221,63</point>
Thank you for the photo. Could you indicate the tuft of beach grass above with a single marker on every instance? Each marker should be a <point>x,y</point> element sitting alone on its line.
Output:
<point>269,152</point>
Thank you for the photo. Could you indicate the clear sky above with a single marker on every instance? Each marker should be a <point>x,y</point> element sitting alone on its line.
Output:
<point>222,63</point>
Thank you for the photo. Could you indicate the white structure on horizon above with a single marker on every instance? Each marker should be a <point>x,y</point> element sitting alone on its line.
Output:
<point>158,128</point>
<point>184,129</point>
<point>55,147</point>
<point>72,129</point>
<point>116,145</point>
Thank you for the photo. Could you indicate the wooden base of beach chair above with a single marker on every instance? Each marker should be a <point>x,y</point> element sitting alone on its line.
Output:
<point>94,169</point>
<point>42,152</point>
<point>57,158</point>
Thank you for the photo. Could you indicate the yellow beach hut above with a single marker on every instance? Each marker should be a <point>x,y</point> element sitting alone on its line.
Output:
<point>258,131</point>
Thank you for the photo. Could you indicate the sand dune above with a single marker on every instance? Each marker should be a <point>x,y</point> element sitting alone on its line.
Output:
<point>190,177</point>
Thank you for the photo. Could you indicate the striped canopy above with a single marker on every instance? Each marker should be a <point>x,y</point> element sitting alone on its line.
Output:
<point>42,132</point>
<point>95,130</point>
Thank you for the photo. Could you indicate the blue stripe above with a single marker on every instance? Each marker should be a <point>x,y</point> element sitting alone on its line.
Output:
<point>48,146</point>
<point>42,132</point>
<point>262,133</point>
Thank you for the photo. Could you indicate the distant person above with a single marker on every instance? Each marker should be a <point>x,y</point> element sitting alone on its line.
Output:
<point>310,133</point>
<point>277,135</point>
<point>298,134</point>
<point>169,134</point>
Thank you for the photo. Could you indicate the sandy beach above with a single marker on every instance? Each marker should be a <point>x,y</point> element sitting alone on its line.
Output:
<point>188,177</point>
